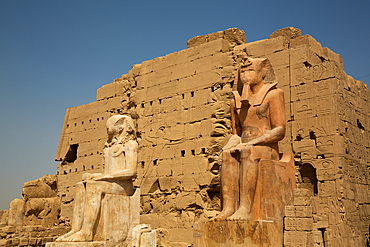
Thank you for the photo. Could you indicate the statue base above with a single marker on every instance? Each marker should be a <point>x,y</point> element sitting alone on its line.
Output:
<point>238,233</point>
<point>77,244</point>
<point>140,236</point>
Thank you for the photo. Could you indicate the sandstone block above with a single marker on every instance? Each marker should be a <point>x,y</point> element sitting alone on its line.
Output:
<point>44,187</point>
<point>308,41</point>
<point>23,242</point>
<point>287,32</point>
<point>298,224</point>
<point>298,211</point>
<point>295,238</point>
<point>266,47</point>
<point>16,213</point>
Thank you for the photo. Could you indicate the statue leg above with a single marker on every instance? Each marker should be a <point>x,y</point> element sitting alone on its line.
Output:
<point>229,185</point>
<point>248,182</point>
<point>90,213</point>
<point>93,194</point>
<point>78,210</point>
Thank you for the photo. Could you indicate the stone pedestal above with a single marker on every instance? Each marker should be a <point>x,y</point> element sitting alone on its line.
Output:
<point>274,190</point>
<point>238,233</point>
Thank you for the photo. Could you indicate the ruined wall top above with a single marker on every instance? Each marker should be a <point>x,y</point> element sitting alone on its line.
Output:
<point>233,35</point>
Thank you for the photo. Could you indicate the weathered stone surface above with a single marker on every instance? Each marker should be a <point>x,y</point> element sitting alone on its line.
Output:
<point>44,187</point>
<point>16,213</point>
<point>233,35</point>
<point>238,233</point>
<point>287,32</point>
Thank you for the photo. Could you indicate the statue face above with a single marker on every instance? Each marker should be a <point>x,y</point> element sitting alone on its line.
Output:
<point>250,75</point>
<point>113,131</point>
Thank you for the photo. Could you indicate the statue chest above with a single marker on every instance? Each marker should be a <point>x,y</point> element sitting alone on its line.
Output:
<point>114,159</point>
<point>256,118</point>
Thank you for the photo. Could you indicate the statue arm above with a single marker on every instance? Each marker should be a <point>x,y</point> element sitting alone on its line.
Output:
<point>235,126</point>
<point>277,119</point>
<point>89,176</point>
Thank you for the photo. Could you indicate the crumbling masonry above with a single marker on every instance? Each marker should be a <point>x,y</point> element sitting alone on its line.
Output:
<point>180,103</point>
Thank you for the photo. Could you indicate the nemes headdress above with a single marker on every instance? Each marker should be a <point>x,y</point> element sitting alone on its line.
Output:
<point>242,94</point>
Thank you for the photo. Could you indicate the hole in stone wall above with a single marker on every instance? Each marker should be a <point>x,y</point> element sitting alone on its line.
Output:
<point>322,230</point>
<point>312,135</point>
<point>213,89</point>
<point>192,94</point>
<point>89,120</point>
<point>92,166</point>
<point>142,105</point>
<point>182,153</point>
<point>309,178</point>
<point>76,170</point>
<point>75,124</point>
<point>83,168</point>
<point>67,125</point>
<point>155,162</point>
<point>142,164</point>
<point>102,118</point>
<point>151,102</point>
<point>70,170</point>
<point>82,122</point>
<point>97,119</point>
<point>307,64</point>
<point>203,150</point>
<point>359,125</point>
<point>154,187</point>
<point>183,96</point>
<point>193,152</point>
<point>298,138</point>
<point>160,101</point>
<point>71,155</point>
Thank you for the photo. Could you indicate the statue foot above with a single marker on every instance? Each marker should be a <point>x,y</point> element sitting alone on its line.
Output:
<point>80,236</point>
<point>222,215</point>
<point>241,214</point>
<point>62,238</point>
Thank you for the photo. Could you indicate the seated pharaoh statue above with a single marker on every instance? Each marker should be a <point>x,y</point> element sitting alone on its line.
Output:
<point>120,158</point>
<point>258,124</point>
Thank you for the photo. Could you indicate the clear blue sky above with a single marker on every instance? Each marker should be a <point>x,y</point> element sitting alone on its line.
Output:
<point>56,54</point>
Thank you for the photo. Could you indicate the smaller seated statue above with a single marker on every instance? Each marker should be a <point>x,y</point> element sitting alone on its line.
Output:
<point>120,156</point>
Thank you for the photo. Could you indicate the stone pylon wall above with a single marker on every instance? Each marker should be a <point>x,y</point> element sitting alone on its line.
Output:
<point>180,103</point>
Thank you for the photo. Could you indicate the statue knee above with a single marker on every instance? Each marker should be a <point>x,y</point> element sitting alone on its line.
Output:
<point>246,151</point>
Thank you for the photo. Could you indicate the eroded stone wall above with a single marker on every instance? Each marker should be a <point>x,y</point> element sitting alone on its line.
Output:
<point>180,103</point>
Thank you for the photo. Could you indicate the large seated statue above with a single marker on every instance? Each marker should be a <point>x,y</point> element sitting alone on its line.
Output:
<point>258,123</point>
<point>256,180</point>
<point>120,156</point>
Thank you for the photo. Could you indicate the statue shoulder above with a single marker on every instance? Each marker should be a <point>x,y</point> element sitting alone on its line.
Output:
<point>131,145</point>
<point>275,93</point>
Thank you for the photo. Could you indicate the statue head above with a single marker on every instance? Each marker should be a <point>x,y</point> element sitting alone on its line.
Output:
<point>253,71</point>
<point>120,128</point>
